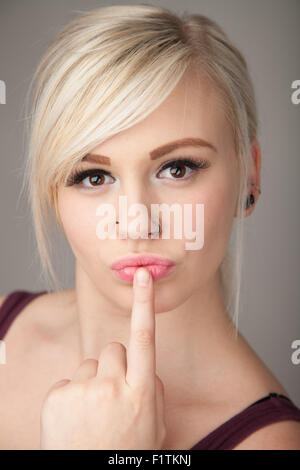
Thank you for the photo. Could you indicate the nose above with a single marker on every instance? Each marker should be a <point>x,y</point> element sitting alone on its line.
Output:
<point>135,215</point>
<point>142,232</point>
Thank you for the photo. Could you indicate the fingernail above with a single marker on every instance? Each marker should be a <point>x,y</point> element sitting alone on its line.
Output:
<point>143,277</point>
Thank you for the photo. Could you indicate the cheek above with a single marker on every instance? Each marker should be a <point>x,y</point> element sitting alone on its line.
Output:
<point>219,198</point>
<point>78,216</point>
<point>219,213</point>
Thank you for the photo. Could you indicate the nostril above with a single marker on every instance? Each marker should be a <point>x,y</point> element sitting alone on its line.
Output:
<point>155,232</point>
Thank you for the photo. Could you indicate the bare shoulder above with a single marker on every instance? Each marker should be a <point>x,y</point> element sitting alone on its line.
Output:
<point>283,435</point>
<point>39,352</point>
<point>37,336</point>
<point>41,310</point>
<point>44,316</point>
<point>256,381</point>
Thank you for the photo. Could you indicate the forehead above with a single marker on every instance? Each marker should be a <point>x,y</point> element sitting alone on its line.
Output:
<point>193,109</point>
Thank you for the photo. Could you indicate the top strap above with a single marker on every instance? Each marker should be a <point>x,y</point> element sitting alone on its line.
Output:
<point>270,409</point>
<point>12,306</point>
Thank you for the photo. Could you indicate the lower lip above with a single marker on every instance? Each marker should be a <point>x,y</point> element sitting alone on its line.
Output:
<point>158,271</point>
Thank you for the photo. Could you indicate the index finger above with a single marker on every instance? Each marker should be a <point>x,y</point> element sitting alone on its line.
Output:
<point>141,368</point>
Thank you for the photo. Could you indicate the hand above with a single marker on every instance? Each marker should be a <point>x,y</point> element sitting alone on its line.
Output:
<point>116,403</point>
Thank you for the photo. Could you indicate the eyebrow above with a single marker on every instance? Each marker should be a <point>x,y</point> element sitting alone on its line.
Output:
<point>158,152</point>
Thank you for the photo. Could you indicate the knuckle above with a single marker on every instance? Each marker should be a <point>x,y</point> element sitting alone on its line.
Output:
<point>139,401</point>
<point>159,383</point>
<point>57,389</point>
<point>90,361</point>
<point>143,337</point>
<point>109,387</point>
<point>52,399</point>
<point>141,393</point>
<point>113,345</point>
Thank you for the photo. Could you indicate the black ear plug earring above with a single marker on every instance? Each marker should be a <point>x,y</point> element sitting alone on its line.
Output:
<point>251,199</point>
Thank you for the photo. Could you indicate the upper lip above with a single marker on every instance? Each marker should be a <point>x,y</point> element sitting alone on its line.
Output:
<point>140,260</point>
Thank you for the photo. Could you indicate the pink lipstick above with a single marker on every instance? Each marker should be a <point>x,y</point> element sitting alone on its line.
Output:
<point>158,267</point>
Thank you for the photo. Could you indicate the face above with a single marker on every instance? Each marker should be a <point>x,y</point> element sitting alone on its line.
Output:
<point>192,110</point>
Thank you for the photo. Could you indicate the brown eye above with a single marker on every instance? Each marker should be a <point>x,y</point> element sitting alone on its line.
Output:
<point>177,170</point>
<point>96,180</point>
<point>183,168</point>
<point>89,178</point>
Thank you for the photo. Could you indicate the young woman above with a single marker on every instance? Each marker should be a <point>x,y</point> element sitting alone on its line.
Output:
<point>135,101</point>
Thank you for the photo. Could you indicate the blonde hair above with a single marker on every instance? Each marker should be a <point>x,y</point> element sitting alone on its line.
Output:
<point>107,70</point>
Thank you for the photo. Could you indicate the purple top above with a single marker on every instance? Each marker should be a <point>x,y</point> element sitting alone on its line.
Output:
<point>269,409</point>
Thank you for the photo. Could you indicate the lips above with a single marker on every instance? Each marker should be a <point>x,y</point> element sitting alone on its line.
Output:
<point>158,267</point>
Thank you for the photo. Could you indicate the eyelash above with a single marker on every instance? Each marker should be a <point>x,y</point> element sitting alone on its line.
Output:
<point>194,164</point>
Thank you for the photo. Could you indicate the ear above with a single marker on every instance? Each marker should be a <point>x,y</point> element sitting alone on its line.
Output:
<point>254,177</point>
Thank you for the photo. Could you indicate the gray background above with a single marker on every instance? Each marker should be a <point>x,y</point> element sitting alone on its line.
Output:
<point>267,32</point>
